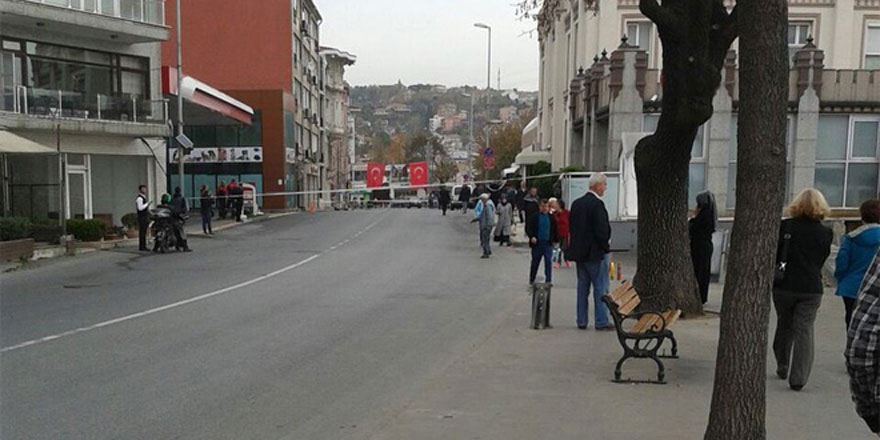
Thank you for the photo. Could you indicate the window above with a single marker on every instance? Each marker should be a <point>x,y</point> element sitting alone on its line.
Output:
<point>847,159</point>
<point>872,47</point>
<point>798,32</point>
<point>731,169</point>
<point>638,34</point>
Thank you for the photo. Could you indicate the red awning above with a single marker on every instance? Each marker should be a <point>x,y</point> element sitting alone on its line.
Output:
<point>206,96</point>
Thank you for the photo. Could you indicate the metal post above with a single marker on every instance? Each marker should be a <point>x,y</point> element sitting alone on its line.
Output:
<point>99,105</point>
<point>62,181</point>
<point>134,111</point>
<point>179,102</point>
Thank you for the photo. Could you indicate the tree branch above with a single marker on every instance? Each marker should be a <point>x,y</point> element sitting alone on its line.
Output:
<point>656,13</point>
<point>724,32</point>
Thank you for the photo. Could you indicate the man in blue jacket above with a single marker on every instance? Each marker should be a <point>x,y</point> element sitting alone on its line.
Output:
<point>856,252</point>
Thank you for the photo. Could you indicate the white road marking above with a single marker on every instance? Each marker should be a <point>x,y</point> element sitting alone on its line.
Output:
<point>179,303</point>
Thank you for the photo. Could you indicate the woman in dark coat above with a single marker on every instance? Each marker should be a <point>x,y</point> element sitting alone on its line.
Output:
<point>701,227</point>
<point>804,245</point>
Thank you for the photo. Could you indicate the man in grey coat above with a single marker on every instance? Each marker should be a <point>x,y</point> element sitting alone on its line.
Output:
<point>484,214</point>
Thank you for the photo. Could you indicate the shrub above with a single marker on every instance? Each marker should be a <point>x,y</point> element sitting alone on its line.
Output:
<point>14,228</point>
<point>130,221</point>
<point>46,233</point>
<point>86,230</point>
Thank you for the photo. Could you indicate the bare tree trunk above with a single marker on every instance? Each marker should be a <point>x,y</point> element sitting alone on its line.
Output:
<point>696,35</point>
<point>738,400</point>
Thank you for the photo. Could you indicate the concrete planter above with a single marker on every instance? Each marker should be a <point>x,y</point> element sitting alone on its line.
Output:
<point>17,249</point>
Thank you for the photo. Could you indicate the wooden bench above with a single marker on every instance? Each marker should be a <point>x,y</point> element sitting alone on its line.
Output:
<point>644,337</point>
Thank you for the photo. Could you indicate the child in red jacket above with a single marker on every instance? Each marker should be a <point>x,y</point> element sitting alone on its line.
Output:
<point>561,215</point>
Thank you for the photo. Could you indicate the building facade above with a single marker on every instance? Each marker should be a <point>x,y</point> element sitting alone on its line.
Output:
<point>270,61</point>
<point>600,93</point>
<point>82,118</point>
<point>337,121</point>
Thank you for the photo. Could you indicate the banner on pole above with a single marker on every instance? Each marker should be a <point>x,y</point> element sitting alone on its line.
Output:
<point>375,174</point>
<point>418,173</point>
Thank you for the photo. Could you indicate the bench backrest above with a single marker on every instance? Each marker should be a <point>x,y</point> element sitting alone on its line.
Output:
<point>625,298</point>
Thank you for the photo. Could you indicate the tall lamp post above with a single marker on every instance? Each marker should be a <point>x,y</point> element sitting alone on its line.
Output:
<point>488,78</point>
<point>471,133</point>
<point>180,147</point>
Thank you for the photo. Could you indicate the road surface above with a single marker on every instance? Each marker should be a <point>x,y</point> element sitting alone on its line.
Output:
<point>303,327</point>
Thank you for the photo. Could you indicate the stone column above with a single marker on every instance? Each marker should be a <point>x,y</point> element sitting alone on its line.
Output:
<point>808,65</point>
<point>628,68</point>
<point>718,148</point>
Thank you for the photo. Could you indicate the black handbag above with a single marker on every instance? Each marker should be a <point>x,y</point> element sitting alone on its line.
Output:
<point>779,276</point>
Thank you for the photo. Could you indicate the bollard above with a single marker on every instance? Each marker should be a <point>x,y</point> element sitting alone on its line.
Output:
<point>541,306</point>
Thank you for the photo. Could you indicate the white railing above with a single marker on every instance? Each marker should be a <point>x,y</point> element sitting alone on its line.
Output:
<point>144,11</point>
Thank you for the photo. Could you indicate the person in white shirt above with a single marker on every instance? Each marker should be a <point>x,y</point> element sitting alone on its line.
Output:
<point>142,204</point>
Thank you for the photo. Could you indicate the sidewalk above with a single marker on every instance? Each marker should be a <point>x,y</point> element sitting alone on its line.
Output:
<point>556,384</point>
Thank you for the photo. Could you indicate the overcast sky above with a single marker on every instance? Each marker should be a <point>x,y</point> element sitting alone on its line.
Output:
<point>431,41</point>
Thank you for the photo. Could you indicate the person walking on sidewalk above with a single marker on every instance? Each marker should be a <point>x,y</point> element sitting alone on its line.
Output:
<point>142,203</point>
<point>804,245</point>
<point>464,197</point>
<point>863,350</point>
<point>700,228</point>
<point>505,220</point>
<point>856,252</point>
<point>484,214</point>
<point>206,206</point>
<point>542,231</point>
<point>590,244</point>
<point>443,199</point>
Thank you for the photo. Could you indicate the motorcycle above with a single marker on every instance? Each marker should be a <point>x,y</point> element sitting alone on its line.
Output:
<point>163,229</point>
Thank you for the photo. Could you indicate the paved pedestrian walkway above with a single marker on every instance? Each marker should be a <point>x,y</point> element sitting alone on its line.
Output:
<point>556,384</point>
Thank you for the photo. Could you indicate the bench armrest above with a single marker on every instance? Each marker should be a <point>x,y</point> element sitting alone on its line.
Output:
<point>637,316</point>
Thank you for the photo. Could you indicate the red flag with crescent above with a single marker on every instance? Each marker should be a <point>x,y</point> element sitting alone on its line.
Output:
<point>418,173</point>
<point>375,174</point>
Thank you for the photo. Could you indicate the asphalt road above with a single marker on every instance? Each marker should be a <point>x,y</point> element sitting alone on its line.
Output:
<point>303,327</point>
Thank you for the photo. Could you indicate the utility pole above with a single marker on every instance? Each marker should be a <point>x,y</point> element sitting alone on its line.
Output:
<point>180,160</point>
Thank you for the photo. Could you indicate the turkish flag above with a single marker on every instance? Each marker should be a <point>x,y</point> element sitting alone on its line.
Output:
<point>375,174</point>
<point>418,173</point>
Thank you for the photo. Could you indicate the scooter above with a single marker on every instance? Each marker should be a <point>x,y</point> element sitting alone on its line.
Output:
<point>164,237</point>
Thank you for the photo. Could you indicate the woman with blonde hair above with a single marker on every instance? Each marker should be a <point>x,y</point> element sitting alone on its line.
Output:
<point>804,245</point>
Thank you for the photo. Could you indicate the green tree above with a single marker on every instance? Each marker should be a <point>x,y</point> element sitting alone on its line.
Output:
<point>506,144</point>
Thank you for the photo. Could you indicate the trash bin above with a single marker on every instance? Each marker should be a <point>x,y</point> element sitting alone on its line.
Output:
<point>540,306</point>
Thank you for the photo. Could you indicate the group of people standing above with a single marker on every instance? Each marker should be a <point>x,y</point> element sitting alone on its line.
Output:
<point>558,237</point>
<point>229,201</point>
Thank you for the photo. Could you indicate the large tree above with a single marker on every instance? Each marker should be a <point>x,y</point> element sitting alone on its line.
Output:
<point>696,35</point>
<point>738,398</point>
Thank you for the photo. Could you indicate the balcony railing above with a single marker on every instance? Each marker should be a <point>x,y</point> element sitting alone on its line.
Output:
<point>144,11</point>
<point>75,105</point>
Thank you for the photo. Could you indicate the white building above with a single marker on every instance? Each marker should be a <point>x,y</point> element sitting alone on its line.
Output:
<point>834,116</point>
<point>81,79</point>
<point>336,121</point>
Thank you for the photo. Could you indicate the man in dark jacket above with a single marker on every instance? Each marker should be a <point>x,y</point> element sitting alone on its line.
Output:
<point>590,244</point>
<point>464,197</point>
<point>178,203</point>
<point>530,202</point>
<point>443,199</point>
<point>542,231</point>
<point>236,199</point>
<point>521,204</point>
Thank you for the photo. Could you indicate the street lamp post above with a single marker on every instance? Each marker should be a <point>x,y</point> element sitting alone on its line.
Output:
<point>488,81</point>
<point>180,160</point>
<point>471,132</point>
